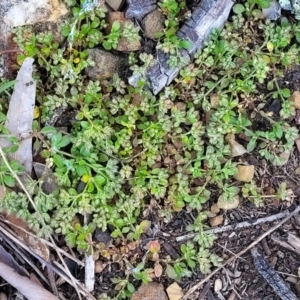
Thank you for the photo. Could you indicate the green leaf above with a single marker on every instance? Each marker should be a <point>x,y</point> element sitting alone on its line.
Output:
<point>99,180</point>
<point>191,263</point>
<point>125,229</point>
<point>106,45</point>
<point>64,141</point>
<point>6,85</point>
<point>71,239</point>
<point>171,272</point>
<point>84,28</point>
<point>58,160</point>
<point>238,9</point>
<point>82,170</point>
<point>91,187</point>
<point>186,44</point>
<point>130,287</point>
<point>252,143</point>
<point>115,26</point>
<point>48,130</point>
<point>115,234</point>
<point>9,181</point>
<point>285,93</point>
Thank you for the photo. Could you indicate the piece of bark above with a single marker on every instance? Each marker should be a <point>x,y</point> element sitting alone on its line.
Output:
<point>294,241</point>
<point>140,8</point>
<point>273,279</point>
<point>209,15</point>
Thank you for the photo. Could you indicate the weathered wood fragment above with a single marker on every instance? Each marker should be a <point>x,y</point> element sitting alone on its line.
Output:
<point>139,8</point>
<point>273,279</point>
<point>209,15</point>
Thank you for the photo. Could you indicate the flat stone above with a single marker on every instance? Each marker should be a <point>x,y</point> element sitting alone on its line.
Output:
<point>284,156</point>
<point>150,291</point>
<point>216,221</point>
<point>174,291</point>
<point>296,99</point>
<point>236,148</point>
<point>106,64</point>
<point>245,173</point>
<point>153,23</point>
<point>124,44</point>
<point>139,8</point>
<point>115,4</point>
<point>228,204</point>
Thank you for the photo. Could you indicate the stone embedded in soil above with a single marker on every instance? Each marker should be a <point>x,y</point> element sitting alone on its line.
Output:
<point>53,27</point>
<point>298,144</point>
<point>236,148</point>
<point>297,117</point>
<point>150,291</point>
<point>99,266</point>
<point>3,296</point>
<point>106,64</point>
<point>296,99</point>
<point>174,291</point>
<point>231,204</point>
<point>153,23</point>
<point>245,173</point>
<point>215,209</point>
<point>115,4</point>
<point>139,8</point>
<point>49,184</point>
<point>124,44</point>
<point>216,221</point>
<point>297,171</point>
<point>284,158</point>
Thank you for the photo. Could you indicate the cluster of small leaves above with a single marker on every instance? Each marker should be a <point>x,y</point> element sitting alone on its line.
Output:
<point>170,43</point>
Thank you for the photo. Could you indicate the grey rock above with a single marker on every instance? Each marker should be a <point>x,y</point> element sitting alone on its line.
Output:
<point>115,4</point>
<point>139,8</point>
<point>153,23</point>
<point>53,27</point>
<point>49,184</point>
<point>106,64</point>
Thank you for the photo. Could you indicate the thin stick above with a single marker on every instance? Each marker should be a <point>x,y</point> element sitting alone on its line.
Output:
<point>237,226</point>
<point>198,285</point>
<point>10,51</point>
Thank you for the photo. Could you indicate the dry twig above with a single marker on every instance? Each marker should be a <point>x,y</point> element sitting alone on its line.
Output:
<point>237,226</point>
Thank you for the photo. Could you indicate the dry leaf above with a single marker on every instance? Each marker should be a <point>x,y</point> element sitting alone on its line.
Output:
<point>35,244</point>
<point>24,285</point>
<point>174,291</point>
<point>158,269</point>
<point>20,116</point>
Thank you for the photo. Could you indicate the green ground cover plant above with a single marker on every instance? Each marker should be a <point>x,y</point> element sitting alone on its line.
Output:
<point>129,153</point>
